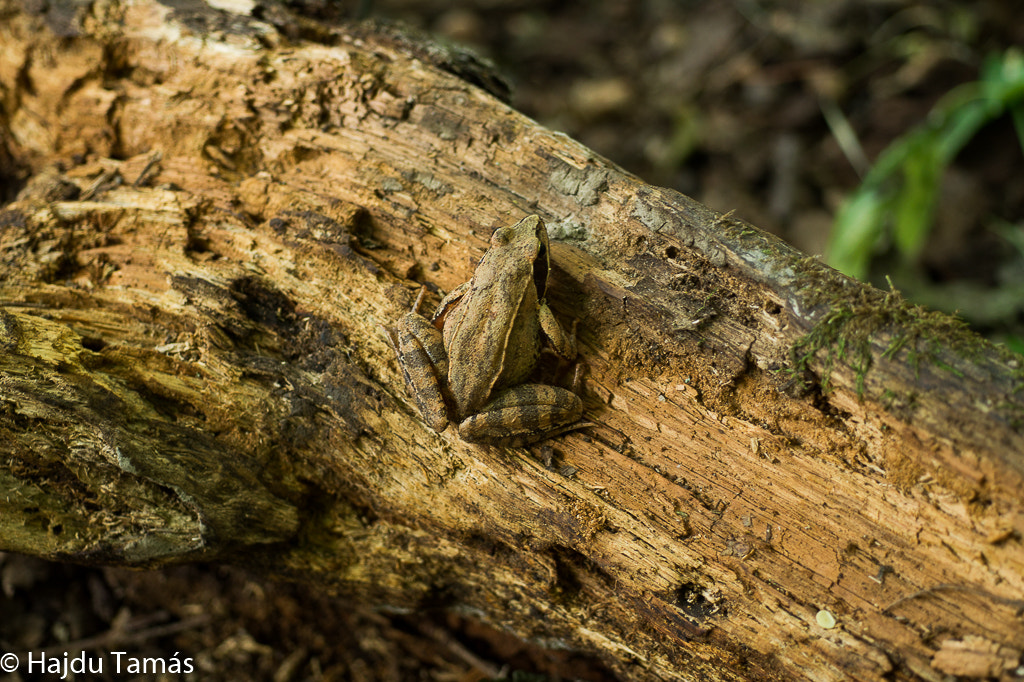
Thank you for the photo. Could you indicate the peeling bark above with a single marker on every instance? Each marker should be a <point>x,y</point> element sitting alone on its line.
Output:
<point>220,214</point>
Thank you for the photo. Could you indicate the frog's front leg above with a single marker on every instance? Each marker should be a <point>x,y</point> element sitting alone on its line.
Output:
<point>522,415</point>
<point>424,363</point>
<point>563,343</point>
<point>450,302</point>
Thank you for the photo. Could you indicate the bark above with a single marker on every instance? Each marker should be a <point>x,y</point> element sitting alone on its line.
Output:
<point>220,212</point>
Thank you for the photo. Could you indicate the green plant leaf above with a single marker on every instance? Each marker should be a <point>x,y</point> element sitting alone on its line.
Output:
<point>857,228</point>
<point>915,202</point>
<point>901,189</point>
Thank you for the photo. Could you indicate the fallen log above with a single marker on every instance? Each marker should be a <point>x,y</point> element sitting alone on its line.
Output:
<point>790,472</point>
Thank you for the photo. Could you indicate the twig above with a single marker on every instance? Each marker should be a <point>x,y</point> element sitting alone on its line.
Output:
<point>446,640</point>
<point>108,639</point>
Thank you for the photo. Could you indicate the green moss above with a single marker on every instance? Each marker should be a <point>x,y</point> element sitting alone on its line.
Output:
<point>857,323</point>
<point>852,326</point>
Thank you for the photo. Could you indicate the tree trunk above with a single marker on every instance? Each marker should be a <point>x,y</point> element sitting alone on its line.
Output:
<point>220,213</point>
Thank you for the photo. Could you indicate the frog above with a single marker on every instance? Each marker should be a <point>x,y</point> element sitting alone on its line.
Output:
<point>468,364</point>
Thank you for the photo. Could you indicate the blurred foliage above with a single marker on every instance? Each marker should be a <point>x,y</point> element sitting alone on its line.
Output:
<point>898,196</point>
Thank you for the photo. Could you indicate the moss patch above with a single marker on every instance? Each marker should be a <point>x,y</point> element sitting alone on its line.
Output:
<point>858,323</point>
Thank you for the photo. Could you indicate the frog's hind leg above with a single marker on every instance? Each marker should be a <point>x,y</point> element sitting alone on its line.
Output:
<point>524,414</point>
<point>424,363</point>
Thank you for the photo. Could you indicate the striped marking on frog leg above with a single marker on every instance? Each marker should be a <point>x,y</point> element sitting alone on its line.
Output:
<point>424,364</point>
<point>524,414</point>
<point>416,332</point>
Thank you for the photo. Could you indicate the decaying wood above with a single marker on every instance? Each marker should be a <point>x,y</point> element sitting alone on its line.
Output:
<point>220,215</point>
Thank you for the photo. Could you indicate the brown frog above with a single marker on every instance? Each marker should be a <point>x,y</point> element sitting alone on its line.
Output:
<point>467,364</point>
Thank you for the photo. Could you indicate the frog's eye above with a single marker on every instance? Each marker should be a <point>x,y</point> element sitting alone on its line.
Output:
<point>501,236</point>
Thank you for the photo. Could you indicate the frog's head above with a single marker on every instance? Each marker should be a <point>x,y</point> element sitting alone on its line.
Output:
<point>526,240</point>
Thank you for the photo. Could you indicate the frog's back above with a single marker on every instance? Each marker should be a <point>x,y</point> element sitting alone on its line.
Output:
<point>494,339</point>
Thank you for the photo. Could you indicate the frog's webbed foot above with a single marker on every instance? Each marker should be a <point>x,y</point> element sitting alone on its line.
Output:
<point>524,414</point>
